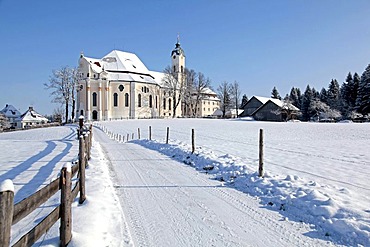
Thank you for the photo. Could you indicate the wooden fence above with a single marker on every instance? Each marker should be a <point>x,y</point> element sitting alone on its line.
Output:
<point>121,138</point>
<point>11,213</point>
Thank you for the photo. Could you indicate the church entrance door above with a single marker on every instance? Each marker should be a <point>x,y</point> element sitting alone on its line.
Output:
<point>94,115</point>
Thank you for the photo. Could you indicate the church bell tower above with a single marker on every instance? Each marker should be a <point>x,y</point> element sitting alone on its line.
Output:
<point>178,60</point>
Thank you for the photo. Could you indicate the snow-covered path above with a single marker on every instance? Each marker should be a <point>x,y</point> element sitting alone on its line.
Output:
<point>167,203</point>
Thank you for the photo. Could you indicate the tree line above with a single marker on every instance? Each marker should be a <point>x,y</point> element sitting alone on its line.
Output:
<point>350,100</point>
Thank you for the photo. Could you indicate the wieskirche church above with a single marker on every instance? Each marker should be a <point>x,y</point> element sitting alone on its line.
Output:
<point>120,86</point>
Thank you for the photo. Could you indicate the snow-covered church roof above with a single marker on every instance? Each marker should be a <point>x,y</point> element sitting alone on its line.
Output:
<point>10,111</point>
<point>123,66</point>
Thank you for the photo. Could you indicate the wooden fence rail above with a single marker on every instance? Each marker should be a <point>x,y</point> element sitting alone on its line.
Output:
<point>193,147</point>
<point>11,214</point>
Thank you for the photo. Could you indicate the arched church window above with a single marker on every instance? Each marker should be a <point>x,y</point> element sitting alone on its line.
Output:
<point>174,68</point>
<point>126,99</point>
<point>169,104</point>
<point>164,104</point>
<point>156,102</point>
<point>121,87</point>
<point>115,99</point>
<point>182,69</point>
<point>150,101</point>
<point>139,100</point>
<point>94,99</point>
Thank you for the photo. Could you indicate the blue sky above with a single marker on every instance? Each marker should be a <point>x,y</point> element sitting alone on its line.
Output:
<point>260,44</point>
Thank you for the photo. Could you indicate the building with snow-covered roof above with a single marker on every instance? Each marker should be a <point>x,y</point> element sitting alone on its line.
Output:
<point>30,119</point>
<point>268,109</point>
<point>204,104</point>
<point>11,113</point>
<point>119,86</point>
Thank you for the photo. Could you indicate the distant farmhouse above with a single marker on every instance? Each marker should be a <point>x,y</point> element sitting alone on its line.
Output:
<point>11,113</point>
<point>29,119</point>
<point>268,109</point>
<point>119,85</point>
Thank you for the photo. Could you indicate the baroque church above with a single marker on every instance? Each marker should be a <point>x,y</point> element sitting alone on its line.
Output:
<point>119,86</point>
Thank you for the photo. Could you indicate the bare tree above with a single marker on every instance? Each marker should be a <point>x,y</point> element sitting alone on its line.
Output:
<point>200,85</point>
<point>74,85</point>
<point>236,94</point>
<point>61,84</point>
<point>323,111</point>
<point>190,81</point>
<point>176,84</point>
<point>224,93</point>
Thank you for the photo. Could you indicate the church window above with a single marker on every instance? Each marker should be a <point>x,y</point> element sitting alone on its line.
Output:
<point>139,100</point>
<point>126,99</point>
<point>164,104</point>
<point>182,69</point>
<point>169,104</point>
<point>156,102</point>
<point>115,99</point>
<point>88,74</point>
<point>121,87</point>
<point>174,68</point>
<point>150,101</point>
<point>94,96</point>
<point>142,89</point>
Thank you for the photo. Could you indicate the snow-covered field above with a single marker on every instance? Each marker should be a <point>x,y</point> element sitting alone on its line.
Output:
<point>315,173</point>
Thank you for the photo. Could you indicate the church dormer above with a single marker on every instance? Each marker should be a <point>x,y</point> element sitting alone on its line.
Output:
<point>178,59</point>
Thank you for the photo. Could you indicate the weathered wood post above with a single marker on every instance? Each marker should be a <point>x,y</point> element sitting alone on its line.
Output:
<point>6,211</point>
<point>168,134</point>
<point>138,133</point>
<point>90,136</point>
<point>81,167</point>
<point>260,167</point>
<point>86,142</point>
<point>65,205</point>
<point>81,125</point>
<point>150,133</point>
<point>192,141</point>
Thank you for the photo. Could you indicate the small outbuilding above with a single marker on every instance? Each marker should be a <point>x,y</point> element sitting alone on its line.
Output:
<point>30,119</point>
<point>275,110</point>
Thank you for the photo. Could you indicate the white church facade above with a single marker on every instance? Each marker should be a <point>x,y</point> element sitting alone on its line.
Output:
<point>119,86</point>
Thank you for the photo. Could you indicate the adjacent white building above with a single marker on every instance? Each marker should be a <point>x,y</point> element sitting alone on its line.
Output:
<point>30,119</point>
<point>120,86</point>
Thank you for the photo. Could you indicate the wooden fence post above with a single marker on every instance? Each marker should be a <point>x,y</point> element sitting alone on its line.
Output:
<point>192,141</point>
<point>6,211</point>
<point>260,167</point>
<point>138,133</point>
<point>65,205</point>
<point>81,167</point>
<point>150,133</point>
<point>81,125</point>
<point>168,134</point>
